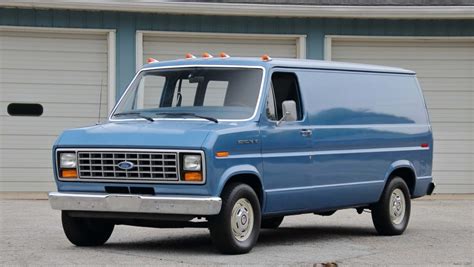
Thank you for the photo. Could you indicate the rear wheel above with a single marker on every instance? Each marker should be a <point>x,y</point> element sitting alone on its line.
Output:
<point>235,230</point>
<point>392,213</point>
<point>86,231</point>
<point>272,223</point>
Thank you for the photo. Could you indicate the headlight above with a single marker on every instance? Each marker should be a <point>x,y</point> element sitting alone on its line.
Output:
<point>192,162</point>
<point>67,160</point>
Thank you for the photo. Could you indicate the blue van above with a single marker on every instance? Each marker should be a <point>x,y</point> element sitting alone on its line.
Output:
<point>236,144</point>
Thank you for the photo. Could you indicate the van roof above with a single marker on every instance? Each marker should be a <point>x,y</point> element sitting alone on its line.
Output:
<point>280,62</point>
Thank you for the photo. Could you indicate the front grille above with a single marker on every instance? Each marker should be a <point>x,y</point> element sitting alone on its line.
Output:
<point>149,166</point>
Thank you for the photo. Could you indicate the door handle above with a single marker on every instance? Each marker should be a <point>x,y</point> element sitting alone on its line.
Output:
<point>306,132</point>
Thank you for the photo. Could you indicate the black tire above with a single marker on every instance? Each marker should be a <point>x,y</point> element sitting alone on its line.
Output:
<point>272,223</point>
<point>220,226</point>
<point>381,217</point>
<point>86,232</point>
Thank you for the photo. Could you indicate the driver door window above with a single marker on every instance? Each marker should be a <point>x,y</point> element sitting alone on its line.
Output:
<point>284,87</point>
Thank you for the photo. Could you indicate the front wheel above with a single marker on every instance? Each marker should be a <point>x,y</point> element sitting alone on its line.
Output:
<point>86,231</point>
<point>235,230</point>
<point>392,213</point>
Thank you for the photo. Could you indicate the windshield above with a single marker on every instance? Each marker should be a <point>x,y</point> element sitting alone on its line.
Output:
<point>199,92</point>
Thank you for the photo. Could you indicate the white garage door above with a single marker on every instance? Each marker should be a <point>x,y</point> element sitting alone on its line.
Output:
<point>61,72</point>
<point>445,68</point>
<point>169,46</point>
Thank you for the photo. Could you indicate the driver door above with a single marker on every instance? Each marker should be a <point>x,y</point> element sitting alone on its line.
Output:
<point>285,147</point>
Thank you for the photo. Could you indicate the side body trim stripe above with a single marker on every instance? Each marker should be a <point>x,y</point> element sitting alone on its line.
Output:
<point>320,186</point>
<point>326,152</point>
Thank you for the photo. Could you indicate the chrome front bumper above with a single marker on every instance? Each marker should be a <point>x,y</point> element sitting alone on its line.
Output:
<point>185,205</point>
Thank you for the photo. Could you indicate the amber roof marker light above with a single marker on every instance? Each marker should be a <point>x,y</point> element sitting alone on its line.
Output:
<point>207,55</point>
<point>151,60</point>
<point>265,57</point>
<point>223,55</point>
<point>189,56</point>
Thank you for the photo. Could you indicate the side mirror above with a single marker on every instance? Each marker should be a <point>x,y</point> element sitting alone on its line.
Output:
<point>289,111</point>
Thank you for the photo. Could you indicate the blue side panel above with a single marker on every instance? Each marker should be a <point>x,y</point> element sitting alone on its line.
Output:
<point>126,23</point>
<point>322,198</point>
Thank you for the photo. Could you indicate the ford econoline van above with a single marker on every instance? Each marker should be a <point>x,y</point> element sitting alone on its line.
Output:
<point>236,144</point>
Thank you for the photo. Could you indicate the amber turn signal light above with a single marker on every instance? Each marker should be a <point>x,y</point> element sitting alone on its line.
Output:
<point>193,176</point>
<point>222,154</point>
<point>68,173</point>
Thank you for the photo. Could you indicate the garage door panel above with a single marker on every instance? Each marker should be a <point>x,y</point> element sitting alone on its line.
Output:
<point>447,99</point>
<point>453,162</point>
<point>55,60</point>
<point>76,110</point>
<point>55,99</point>
<point>420,64</point>
<point>66,110</point>
<point>49,42</point>
<point>27,174</point>
<point>41,125</point>
<point>262,40</point>
<point>455,147</point>
<point>56,77</point>
<point>20,158</point>
<point>166,48</point>
<point>403,42</point>
<point>82,35</point>
<point>453,131</point>
<point>27,186</point>
<point>425,68</point>
<point>152,48</point>
<point>52,93</point>
<point>454,188</point>
<point>453,177</point>
<point>42,142</point>
<point>233,52</point>
<point>446,83</point>
<point>445,69</point>
<point>438,115</point>
<point>417,51</point>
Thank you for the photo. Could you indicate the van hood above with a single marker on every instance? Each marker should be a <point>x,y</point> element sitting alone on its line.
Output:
<point>157,134</point>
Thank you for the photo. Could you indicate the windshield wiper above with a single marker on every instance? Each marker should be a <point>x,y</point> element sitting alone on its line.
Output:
<point>138,114</point>
<point>179,114</point>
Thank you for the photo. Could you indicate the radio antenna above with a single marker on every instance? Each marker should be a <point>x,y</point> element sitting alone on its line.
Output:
<point>100,98</point>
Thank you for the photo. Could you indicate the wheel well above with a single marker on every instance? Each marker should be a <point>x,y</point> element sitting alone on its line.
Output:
<point>407,175</point>
<point>251,180</point>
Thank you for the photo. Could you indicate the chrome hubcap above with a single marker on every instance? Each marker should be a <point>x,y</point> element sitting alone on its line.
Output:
<point>242,219</point>
<point>397,206</point>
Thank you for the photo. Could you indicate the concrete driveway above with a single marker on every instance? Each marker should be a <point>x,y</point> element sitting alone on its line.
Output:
<point>440,232</point>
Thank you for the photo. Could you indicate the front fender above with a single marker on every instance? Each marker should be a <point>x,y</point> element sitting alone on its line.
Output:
<point>236,170</point>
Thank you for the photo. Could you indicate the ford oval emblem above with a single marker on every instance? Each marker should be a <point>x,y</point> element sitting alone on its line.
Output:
<point>125,165</point>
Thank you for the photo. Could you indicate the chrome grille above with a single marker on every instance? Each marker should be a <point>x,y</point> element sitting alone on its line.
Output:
<point>152,166</point>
